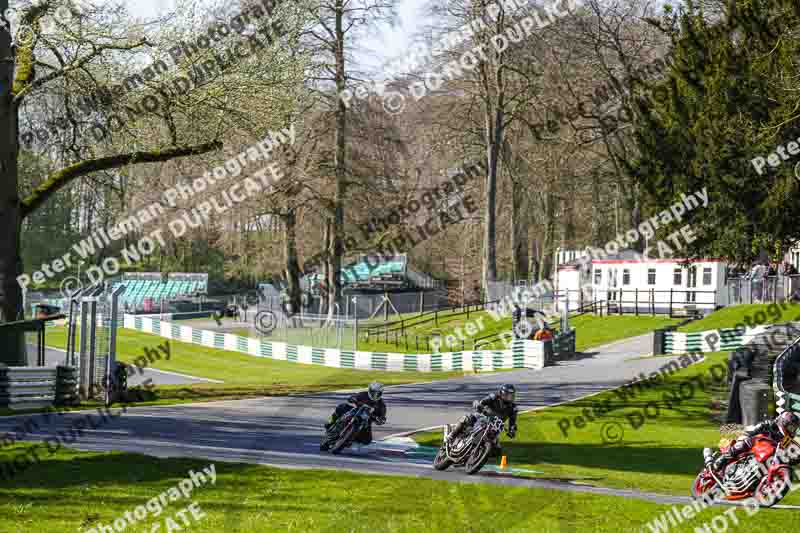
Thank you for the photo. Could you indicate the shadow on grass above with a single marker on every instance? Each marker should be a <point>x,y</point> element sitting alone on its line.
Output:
<point>646,458</point>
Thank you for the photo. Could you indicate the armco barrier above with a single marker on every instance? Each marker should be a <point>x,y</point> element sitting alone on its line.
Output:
<point>523,353</point>
<point>32,387</point>
<point>729,339</point>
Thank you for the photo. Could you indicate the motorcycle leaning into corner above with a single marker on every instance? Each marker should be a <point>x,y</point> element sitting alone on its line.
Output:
<point>763,472</point>
<point>472,448</point>
<point>347,429</point>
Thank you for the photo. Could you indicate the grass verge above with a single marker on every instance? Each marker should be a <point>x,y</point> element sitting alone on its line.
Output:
<point>73,491</point>
<point>754,314</point>
<point>661,452</point>
<point>599,330</point>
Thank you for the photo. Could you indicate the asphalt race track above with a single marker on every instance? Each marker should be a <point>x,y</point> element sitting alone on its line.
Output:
<point>286,431</point>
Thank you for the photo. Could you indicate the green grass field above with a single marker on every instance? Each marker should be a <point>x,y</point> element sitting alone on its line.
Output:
<point>244,375</point>
<point>755,314</point>
<point>592,330</point>
<point>75,491</point>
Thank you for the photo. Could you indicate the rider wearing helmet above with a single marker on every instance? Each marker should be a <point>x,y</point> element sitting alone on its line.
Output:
<point>785,425</point>
<point>500,404</point>
<point>372,397</point>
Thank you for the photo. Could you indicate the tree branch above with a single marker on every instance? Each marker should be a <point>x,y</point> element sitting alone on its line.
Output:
<point>62,177</point>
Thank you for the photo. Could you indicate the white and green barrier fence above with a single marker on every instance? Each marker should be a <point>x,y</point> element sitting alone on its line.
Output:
<point>523,353</point>
<point>716,340</point>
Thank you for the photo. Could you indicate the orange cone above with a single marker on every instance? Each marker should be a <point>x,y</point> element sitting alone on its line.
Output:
<point>503,462</point>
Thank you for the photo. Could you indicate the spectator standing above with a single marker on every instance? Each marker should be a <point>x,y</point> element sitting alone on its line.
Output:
<point>544,334</point>
<point>757,282</point>
<point>772,270</point>
<point>771,282</point>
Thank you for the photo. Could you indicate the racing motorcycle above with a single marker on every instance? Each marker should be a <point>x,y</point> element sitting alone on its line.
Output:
<point>760,473</point>
<point>473,448</point>
<point>344,431</point>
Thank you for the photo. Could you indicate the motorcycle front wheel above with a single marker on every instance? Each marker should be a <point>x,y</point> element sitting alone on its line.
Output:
<point>441,461</point>
<point>478,458</point>
<point>344,439</point>
<point>703,484</point>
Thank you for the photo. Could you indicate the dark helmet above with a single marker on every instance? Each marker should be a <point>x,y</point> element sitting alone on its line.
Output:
<point>375,391</point>
<point>788,423</point>
<point>507,393</point>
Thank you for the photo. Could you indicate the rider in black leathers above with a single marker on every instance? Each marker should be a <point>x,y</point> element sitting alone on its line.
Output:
<point>500,404</point>
<point>371,397</point>
<point>785,425</point>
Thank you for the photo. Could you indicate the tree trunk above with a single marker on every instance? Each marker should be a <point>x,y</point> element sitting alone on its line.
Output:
<point>336,245</point>
<point>292,270</point>
<point>492,85</point>
<point>326,267</point>
<point>549,241</point>
<point>13,352</point>
<point>490,219</point>
<point>519,233</point>
<point>594,239</point>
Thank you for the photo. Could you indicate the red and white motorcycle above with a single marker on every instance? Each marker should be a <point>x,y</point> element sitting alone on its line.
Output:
<point>764,473</point>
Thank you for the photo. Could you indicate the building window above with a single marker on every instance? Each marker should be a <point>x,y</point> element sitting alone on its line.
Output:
<point>651,276</point>
<point>626,277</point>
<point>706,276</point>
<point>677,277</point>
<point>598,276</point>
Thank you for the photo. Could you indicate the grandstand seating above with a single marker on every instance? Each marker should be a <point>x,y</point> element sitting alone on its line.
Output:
<point>137,291</point>
<point>395,272</point>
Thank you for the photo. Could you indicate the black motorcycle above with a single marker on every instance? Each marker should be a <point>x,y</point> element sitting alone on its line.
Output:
<point>472,449</point>
<point>344,431</point>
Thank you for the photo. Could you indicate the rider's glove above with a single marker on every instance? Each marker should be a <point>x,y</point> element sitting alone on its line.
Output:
<point>476,405</point>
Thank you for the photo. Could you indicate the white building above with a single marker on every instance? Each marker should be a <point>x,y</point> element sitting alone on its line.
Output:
<point>652,285</point>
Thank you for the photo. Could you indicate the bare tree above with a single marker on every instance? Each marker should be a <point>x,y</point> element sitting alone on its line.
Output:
<point>335,27</point>
<point>95,53</point>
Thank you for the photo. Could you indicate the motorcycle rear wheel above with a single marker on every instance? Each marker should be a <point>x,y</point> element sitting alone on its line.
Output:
<point>344,440</point>
<point>478,458</point>
<point>441,461</point>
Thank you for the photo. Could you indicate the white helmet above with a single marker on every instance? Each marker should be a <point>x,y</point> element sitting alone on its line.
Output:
<point>375,391</point>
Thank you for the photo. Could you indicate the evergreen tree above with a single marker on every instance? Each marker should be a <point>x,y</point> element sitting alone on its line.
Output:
<point>731,96</point>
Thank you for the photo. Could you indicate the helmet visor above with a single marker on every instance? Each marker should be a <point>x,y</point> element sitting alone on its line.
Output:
<point>509,396</point>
